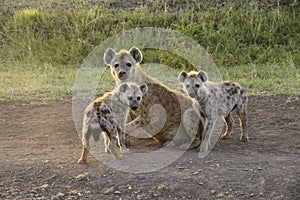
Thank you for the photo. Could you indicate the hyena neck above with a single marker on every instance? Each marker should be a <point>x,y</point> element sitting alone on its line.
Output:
<point>116,102</point>
<point>202,94</point>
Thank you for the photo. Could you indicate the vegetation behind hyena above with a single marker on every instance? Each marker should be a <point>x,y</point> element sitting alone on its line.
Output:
<point>179,117</point>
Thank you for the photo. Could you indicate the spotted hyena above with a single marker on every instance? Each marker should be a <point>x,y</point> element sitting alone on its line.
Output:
<point>180,124</point>
<point>108,114</point>
<point>216,99</point>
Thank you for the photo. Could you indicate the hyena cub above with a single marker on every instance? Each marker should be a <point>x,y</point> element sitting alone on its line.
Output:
<point>216,99</point>
<point>108,114</point>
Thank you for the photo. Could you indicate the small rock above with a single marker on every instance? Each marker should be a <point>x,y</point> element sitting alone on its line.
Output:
<point>45,186</point>
<point>259,168</point>
<point>129,187</point>
<point>54,198</point>
<point>161,187</point>
<point>261,194</point>
<point>201,183</point>
<point>117,192</point>
<point>212,192</point>
<point>180,167</point>
<point>251,195</point>
<point>220,195</point>
<point>60,195</point>
<point>139,197</point>
<point>80,177</point>
<point>30,195</point>
<point>227,193</point>
<point>218,165</point>
<point>197,172</point>
<point>109,190</point>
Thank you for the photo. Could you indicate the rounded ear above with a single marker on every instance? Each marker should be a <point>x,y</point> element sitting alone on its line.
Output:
<point>202,75</point>
<point>182,76</point>
<point>123,87</point>
<point>136,54</point>
<point>144,88</point>
<point>109,55</point>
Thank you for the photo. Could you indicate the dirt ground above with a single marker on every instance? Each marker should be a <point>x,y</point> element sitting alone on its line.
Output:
<point>40,147</point>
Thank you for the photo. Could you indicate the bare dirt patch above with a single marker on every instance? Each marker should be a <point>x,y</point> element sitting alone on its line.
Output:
<point>39,149</point>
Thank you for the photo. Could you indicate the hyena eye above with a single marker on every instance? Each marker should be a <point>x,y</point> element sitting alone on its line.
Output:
<point>116,65</point>
<point>197,85</point>
<point>130,98</point>
<point>138,98</point>
<point>187,85</point>
<point>128,64</point>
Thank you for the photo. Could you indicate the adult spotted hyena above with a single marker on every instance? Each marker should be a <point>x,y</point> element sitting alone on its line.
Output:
<point>108,114</point>
<point>216,99</point>
<point>180,115</point>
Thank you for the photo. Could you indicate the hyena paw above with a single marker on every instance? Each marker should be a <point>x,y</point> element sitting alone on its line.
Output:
<point>185,146</point>
<point>244,138</point>
<point>81,161</point>
<point>195,144</point>
<point>204,147</point>
<point>223,136</point>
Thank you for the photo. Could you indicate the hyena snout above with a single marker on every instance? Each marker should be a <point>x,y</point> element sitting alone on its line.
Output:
<point>134,105</point>
<point>121,74</point>
<point>192,94</point>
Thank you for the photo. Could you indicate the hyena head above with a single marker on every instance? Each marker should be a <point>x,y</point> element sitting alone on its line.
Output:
<point>193,81</point>
<point>131,94</point>
<point>123,63</point>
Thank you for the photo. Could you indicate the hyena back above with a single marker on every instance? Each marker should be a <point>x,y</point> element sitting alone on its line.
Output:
<point>108,114</point>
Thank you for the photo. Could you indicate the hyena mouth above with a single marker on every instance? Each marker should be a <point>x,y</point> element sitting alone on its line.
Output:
<point>192,95</point>
<point>133,107</point>
<point>122,77</point>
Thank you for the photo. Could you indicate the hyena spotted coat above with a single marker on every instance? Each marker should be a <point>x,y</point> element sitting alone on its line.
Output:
<point>181,118</point>
<point>108,114</point>
<point>216,99</point>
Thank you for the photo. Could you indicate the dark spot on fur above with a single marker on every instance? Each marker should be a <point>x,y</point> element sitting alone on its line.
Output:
<point>233,107</point>
<point>228,97</point>
<point>238,87</point>
<point>227,83</point>
<point>233,84</point>
<point>202,114</point>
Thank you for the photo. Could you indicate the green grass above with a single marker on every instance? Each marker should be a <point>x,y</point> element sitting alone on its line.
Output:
<point>43,43</point>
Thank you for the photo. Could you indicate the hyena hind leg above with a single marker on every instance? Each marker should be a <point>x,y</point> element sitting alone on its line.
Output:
<point>242,115</point>
<point>86,134</point>
<point>106,141</point>
<point>227,128</point>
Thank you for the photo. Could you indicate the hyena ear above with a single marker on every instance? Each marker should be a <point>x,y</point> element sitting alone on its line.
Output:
<point>202,75</point>
<point>182,76</point>
<point>136,54</point>
<point>144,88</point>
<point>123,87</point>
<point>109,55</point>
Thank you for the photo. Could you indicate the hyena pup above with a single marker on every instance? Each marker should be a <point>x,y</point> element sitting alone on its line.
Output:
<point>216,99</point>
<point>107,116</point>
<point>181,124</point>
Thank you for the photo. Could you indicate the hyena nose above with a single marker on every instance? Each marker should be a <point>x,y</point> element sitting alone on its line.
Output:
<point>121,73</point>
<point>192,95</point>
